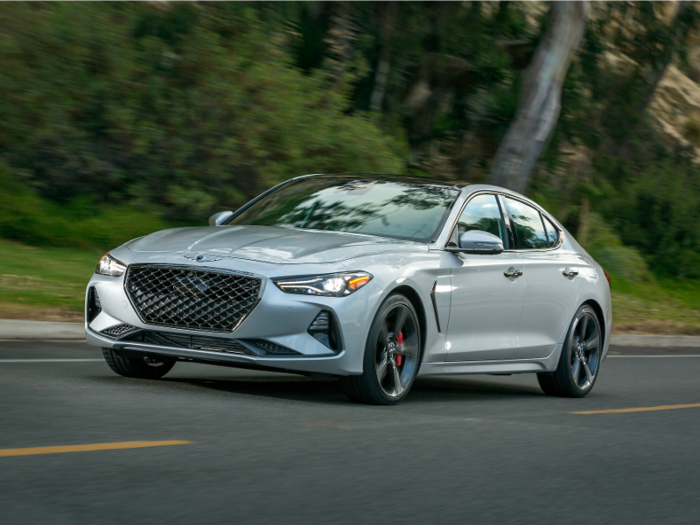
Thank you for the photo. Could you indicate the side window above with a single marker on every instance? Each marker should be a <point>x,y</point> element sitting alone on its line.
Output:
<point>482,213</point>
<point>529,230</point>
<point>552,232</point>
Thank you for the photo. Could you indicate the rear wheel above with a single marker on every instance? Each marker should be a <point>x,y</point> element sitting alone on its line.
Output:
<point>149,367</point>
<point>392,355</point>
<point>580,358</point>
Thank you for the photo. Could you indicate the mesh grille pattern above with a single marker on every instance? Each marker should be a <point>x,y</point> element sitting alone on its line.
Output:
<point>194,299</point>
<point>119,330</point>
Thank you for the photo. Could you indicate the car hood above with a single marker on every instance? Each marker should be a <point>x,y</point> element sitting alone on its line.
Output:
<point>270,244</point>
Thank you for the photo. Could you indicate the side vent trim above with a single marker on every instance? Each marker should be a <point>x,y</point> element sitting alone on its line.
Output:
<point>435,308</point>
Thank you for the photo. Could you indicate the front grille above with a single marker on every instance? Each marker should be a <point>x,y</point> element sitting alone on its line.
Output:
<point>194,299</point>
<point>119,331</point>
<point>194,342</point>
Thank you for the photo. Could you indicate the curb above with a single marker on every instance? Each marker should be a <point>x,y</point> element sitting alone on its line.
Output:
<point>13,329</point>
<point>37,330</point>
<point>678,341</point>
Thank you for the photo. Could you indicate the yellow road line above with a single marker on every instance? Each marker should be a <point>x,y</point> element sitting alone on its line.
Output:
<point>642,409</point>
<point>87,448</point>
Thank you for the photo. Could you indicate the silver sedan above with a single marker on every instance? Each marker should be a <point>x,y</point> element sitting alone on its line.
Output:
<point>370,279</point>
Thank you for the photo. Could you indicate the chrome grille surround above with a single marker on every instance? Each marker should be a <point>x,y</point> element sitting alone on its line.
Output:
<point>191,298</point>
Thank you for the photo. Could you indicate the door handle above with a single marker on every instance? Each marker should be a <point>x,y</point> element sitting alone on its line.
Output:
<point>570,272</point>
<point>512,272</point>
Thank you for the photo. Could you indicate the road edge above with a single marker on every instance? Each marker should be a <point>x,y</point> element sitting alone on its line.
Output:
<point>46,330</point>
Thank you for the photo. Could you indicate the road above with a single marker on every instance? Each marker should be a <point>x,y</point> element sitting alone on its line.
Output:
<point>264,448</point>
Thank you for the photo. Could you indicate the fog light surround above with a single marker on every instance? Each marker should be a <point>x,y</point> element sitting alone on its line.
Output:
<point>325,330</point>
<point>94,307</point>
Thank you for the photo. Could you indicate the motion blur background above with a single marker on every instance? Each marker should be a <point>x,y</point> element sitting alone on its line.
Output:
<point>119,119</point>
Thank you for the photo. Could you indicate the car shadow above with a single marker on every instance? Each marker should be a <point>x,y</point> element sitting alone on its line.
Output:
<point>298,388</point>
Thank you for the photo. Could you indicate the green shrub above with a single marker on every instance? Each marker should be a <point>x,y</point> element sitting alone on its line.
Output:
<point>607,249</point>
<point>184,107</point>
<point>29,218</point>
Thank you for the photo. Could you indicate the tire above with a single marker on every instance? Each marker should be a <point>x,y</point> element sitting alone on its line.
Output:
<point>579,362</point>
<point>392,355</point>
<point>139,369</point>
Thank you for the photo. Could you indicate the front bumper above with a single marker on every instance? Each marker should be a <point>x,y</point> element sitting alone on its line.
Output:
<point>278,318</point>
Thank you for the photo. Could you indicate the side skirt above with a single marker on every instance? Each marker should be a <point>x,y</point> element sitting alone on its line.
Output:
<point>512,366</point>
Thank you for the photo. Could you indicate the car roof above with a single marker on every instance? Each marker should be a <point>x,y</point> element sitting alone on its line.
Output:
<point>404,179</point>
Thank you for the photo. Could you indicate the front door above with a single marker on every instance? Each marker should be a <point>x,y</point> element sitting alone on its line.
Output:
<point>486,303</point>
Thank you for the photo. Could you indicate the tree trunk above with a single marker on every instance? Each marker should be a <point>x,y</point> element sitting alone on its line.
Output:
<point>340,40</point>
<point>540,97</point>
<point>382,74</point>
<point>501,16</point>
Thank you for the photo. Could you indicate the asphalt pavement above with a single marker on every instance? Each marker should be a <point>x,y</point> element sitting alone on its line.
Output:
<point>219,445</point>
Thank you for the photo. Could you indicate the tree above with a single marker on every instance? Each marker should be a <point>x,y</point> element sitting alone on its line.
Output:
<point>540,97</point>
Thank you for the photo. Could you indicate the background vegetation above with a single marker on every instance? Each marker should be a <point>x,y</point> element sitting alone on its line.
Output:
<point>118,119</point>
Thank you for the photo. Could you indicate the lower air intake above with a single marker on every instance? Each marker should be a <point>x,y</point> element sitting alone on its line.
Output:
<point>271,348</point>
<point>193,342</point>
<point>119,331</point>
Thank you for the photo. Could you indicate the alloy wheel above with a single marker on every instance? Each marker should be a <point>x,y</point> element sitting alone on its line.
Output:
<point>397,350</point>
<point>585,352</point>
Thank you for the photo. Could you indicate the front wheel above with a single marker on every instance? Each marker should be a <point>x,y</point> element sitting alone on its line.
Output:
<point>392,355</point>
<point>149,367</point>
<point>580,358</point>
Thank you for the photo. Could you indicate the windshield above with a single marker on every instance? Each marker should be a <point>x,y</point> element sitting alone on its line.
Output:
<point>385,208</point>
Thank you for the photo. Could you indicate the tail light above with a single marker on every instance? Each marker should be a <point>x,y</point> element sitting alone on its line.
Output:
<point>608,278</point>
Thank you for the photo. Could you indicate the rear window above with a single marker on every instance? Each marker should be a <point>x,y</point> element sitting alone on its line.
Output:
<point>527,222</point>
<point>552,232</point>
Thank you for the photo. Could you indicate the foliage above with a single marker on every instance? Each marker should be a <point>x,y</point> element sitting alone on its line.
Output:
<point>79,224</point>
<point>118,118</point>
<point>179,108</point>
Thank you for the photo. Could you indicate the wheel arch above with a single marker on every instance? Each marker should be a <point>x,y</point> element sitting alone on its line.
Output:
<point>601,317</point>
<point>414,298</point>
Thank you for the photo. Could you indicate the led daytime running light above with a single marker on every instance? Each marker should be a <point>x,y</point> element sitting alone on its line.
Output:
<point>332,285</point>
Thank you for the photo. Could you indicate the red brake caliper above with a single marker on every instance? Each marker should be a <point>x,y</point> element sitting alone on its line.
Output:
<point>399,343</point>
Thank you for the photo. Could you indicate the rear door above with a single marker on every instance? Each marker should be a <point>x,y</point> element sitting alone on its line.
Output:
<point>550,275</point>
<point>486,303</point>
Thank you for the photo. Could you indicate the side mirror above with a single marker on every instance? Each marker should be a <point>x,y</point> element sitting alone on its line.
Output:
<point>219,218</point>
<point>476,241</point>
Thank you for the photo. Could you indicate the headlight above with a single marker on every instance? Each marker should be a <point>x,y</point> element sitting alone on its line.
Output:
<point>331,285</point>
<point>109,266</point>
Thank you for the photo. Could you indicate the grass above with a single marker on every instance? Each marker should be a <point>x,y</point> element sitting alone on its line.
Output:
<point>49,284</point>
<point>43,283</point>
<point>661,307</point>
